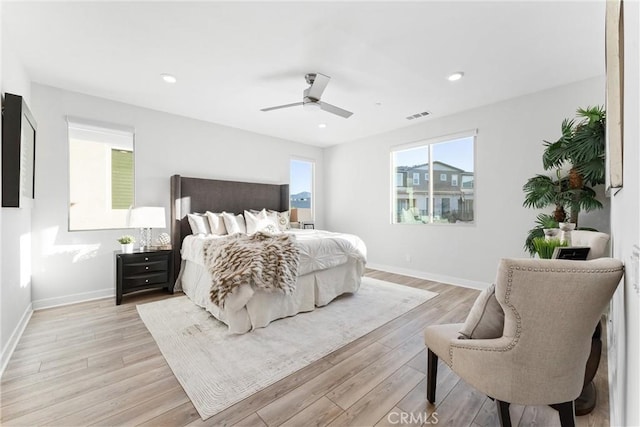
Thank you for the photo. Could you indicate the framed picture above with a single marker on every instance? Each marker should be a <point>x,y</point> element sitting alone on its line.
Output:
<point>577,253</point>
<point>614,43</point>
<point>18,153</point>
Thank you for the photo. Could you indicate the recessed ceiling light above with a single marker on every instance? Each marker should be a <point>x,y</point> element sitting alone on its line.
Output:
<point>455,76</point>
<point>378,104</point>
<point>322,125</point>
<point>169,78</point>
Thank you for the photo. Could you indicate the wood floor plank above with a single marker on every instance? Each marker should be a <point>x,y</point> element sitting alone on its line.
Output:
<point>124,400</point>
<point>178,416</point>
<point>353,389</point>
<point>276,412</point>
<point>39,398</point>
<point>155,404</point>
<point>95,363</point>
<point>380,400</point>
<point>460,406</point>
<point>252,420</point>
<point>488,414</point>
<point>319,414</point>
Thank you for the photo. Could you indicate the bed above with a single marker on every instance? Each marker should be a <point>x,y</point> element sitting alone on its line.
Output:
<point>331,264</point>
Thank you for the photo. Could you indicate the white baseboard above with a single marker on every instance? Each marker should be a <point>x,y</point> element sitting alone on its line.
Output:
<point>72,299</point>
<point>456,281</point>
<point>10,347</point>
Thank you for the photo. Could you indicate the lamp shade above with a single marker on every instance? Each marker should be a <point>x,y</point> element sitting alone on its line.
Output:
<point>147,217</point>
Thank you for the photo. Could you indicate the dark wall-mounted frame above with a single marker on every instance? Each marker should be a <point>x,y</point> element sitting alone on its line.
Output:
<point>18,152</point>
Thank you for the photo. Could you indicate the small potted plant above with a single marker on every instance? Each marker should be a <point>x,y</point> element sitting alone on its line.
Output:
<point>545,247</point>
<point>126,242</point>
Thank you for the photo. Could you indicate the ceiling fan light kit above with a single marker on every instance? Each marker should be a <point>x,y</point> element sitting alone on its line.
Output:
<point>311,97</point>
<point>455,76</point>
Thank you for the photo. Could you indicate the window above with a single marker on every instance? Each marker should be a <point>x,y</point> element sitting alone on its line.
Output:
<point>416,178</point>
<point>101,175</point>
<point>301,190</point>
<point>399,180</point>
<point>450,199</point>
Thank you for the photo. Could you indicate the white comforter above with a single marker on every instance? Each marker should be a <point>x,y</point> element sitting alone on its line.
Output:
<point>330,264</point>
<point>319,249</point>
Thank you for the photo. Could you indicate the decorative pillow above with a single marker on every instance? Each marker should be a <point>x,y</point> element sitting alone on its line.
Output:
<point>216,222</point>
<point>281,218</point>
<point>199,223</point>
<point>234,223</point>
<point>252,219</point>
<point>486,318</point>
<point>260,222</point>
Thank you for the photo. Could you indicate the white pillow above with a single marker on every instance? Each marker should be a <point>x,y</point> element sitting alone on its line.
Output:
<point>199,223</point>
<point>252,219</point>
<point>281,218</point>
<point>216,223</point>
<point>260,222</point>
<point>234,223</point>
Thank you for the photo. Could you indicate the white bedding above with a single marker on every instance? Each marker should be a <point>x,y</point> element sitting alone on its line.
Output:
<point>330,264</point>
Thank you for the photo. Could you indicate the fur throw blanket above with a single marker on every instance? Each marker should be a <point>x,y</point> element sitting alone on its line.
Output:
<point>268,262</point>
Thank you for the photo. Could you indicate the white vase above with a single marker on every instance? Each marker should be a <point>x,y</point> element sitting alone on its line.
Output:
<point>566,228</point>
<point>127,248</point>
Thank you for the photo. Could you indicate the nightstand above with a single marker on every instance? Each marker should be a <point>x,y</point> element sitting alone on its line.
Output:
<point>143,270</point>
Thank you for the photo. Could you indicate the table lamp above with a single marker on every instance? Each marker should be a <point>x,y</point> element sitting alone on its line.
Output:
<point>145,218</point>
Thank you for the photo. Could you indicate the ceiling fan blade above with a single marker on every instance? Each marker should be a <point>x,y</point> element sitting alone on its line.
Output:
<point>335,110</point>
<point>295,104</point>
<point>319,84</point>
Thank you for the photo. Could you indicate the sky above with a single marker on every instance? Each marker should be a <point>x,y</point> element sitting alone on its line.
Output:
<point>301,177</point>
<point>458,153</point>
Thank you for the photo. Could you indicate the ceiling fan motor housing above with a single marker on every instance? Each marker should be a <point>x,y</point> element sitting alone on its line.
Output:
<point>310,78</point>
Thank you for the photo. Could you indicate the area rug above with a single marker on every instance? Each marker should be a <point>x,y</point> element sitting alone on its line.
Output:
<point>218,369</point>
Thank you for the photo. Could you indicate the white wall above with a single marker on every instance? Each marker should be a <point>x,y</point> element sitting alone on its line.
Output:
<point>508,152</point>
<point>624,326</point>
<point>71,266</point>
<point>15,225</point>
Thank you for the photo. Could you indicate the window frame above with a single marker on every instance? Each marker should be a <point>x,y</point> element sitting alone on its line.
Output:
<point>431,200</point>
<point>97,126</point>
<point>313,183</point>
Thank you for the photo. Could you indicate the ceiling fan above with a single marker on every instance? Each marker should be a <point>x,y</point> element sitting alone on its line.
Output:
<point>311,97</point>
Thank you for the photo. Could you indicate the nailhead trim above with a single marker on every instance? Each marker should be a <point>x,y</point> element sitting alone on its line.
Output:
<point>516,338</point>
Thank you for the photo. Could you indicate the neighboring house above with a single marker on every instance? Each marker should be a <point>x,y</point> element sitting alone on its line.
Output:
<point>453,192</point>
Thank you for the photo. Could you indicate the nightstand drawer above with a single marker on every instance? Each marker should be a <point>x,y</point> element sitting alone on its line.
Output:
<point>145,257</point>
<point>145,267</point>
<point>145,280</point>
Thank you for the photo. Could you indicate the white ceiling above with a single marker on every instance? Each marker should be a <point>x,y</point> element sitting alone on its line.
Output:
<point>232,59</point>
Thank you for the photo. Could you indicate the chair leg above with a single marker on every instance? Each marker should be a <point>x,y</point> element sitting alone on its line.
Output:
<point>432,373</point>
<point>503,413</point>
<point>567,413</point>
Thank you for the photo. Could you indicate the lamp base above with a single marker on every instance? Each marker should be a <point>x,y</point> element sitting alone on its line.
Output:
<point>145,238</point>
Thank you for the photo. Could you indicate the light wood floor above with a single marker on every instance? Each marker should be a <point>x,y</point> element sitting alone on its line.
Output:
<point>96,364</point>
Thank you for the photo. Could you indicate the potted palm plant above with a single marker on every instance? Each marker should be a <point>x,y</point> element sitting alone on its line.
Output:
<point>581,149</point>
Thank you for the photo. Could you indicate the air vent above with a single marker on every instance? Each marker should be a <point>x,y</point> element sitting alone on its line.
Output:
<point>418,115</point>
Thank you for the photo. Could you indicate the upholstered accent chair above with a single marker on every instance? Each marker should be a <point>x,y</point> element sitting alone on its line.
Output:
<point>551,308</point>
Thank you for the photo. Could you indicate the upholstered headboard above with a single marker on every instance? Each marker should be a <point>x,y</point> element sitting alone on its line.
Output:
<point>190,195</point>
